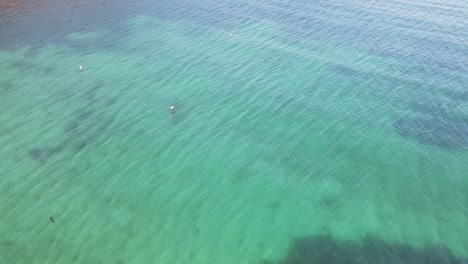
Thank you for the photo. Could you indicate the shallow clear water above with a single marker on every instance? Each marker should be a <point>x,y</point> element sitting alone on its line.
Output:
<point>293,119</point>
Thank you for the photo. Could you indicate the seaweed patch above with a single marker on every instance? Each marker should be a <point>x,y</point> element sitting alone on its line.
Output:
<point>77,137</point>
<point>32,52</point>
<point>84,129</point>
<point>42,154</point>
<point>448,133</point>
<point>6,86</point>
<point>22,65</point>
<point>324,249</point>
<point>344,70</point>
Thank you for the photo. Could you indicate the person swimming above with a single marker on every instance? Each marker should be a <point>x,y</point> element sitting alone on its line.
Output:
<point>172,109</point>
<point>81,68</point>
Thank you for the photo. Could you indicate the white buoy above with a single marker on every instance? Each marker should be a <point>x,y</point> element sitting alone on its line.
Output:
<point>81,68</point>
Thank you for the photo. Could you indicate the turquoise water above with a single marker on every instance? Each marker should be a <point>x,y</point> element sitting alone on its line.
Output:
<point>340,119</point>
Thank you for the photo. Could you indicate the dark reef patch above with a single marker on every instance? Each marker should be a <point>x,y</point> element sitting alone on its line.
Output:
<point>35,153</point>
<point>450,133</point>
<point>344,70</point>
<point>84,129</point>
<point>25,66</point>
<point>111,101</point>
<point>6,86</point>
<point>78,146</point>
<point>274,205</point>
<point>77,122</point>
<point>32,52</point>
<point>260,245</point>
<point>90,95</point>
<point>22,65</point>
<point>329,202</point>
<point>42,154</point>
<point>325,250</point>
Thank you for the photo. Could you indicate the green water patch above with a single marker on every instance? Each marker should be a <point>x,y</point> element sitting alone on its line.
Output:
<point>264,145</point>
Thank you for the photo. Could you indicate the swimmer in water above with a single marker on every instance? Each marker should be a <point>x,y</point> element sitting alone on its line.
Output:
<point>172,109</point>
<point>81,68</point>
<point>52,219</point>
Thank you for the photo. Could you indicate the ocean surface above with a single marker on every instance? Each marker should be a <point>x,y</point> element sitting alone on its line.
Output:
<point>303,132</point>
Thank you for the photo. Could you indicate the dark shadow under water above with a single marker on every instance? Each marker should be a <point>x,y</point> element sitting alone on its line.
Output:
<point>84,129</point>
<point>324,249</point>
<point>449,133</point>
